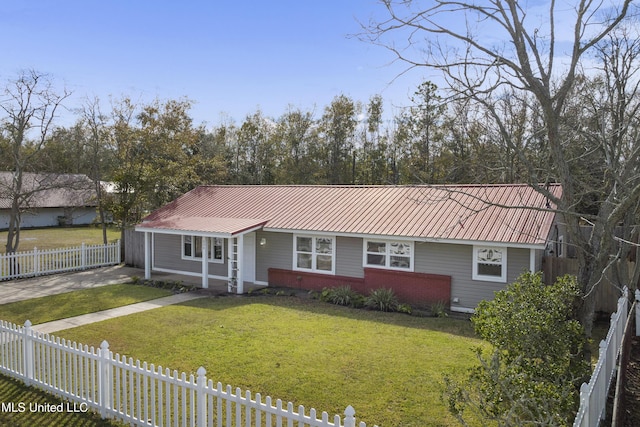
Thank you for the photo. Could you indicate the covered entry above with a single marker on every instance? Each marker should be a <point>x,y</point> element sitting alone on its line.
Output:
<point>201,244</point>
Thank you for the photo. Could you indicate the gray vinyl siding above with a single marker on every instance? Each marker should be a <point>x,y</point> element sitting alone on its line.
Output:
<point>167,253</point>
<point>277,252</point>
<point>457,261</point>
<point>349,257</point>
<point>433,258</point>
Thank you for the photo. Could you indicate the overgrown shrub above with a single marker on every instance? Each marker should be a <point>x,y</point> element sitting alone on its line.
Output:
<point>382,299</point>
<point>342,295</point>
<point>531,375</point>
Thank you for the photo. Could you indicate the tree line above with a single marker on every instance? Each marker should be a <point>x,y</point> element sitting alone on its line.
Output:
<point>154,152</point>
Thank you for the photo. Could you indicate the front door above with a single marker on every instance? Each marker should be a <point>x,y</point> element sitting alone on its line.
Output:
<point>249,258</point>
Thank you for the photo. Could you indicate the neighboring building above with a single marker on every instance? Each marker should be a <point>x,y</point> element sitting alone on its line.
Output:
<point>50,200</point>
<point>457,244</point>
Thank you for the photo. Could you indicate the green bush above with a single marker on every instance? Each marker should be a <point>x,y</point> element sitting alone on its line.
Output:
<point>382,299</point>
<point>342,295</point>
<point>532,375</point>
<point>404,308</point>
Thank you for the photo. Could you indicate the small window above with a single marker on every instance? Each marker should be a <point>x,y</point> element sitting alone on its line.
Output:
<point>388,254</point>
<point>216,249</point>
<point>187,247</point>
<point>314,254</point>
<point>490,264</point>
<point>192,248</point>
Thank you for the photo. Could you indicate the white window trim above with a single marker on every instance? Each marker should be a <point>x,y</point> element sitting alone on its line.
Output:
<point>485,278</point>
<point>210,246</point>
<point>388,255</point>
<point>313,268</point>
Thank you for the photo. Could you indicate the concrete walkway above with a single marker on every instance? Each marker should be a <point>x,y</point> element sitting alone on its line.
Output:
<point>99,316</point>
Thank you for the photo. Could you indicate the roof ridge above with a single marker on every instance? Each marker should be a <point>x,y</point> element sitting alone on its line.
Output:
<point>470,185</point>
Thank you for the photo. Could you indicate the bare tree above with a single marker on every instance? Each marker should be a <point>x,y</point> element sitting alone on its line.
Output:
<point>29,104</point>
<point>535,61</point>
<point>99,154</point>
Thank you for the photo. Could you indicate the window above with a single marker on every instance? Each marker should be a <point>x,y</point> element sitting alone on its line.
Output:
<point>192,248</point>
<point>388,254</point>
<point>314,253</point>
<point>490,264</point>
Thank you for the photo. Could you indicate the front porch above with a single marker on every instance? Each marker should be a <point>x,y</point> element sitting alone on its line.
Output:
<point>216,286</point>
<point>206,252</point>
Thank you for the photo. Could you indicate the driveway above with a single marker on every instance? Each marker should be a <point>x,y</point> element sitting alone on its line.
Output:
<point>18,290</point>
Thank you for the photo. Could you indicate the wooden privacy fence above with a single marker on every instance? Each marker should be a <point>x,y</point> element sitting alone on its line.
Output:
<point>40,262</point>
<point>141,394</point>
<point>607,294</point>
<point>593,395</point>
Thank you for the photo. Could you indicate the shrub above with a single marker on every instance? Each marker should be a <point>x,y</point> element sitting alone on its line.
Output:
<point>342,295</point>
<point>382,300</point>
<point>532,373</point>
<point>404,308</point>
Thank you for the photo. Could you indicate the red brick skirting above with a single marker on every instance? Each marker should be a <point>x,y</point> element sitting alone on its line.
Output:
<point>418,289</point>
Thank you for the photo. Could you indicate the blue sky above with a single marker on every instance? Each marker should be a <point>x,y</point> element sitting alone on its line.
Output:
<point>229,57</point>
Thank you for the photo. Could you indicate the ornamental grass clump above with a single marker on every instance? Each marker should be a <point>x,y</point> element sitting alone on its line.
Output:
<point>382,299</point>
<point>342,295</point>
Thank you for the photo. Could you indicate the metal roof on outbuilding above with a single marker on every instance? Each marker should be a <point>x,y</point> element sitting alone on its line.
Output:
<point>514,214</point>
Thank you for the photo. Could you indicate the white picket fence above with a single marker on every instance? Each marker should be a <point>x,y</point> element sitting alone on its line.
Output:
<point>593,395</point>
<point>141,394</point>
<point>40,262</point>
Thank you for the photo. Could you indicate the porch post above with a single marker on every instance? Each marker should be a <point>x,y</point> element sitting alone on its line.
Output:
<point>230,262</point>
<point>147,255</point>
<point>240,288</point>
<point>205,262</point>
<point>532,260</point>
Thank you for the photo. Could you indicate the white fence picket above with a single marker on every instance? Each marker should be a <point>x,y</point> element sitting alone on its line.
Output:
<point>40,262</point>
<point>593,395</point>
<point>141,394</point>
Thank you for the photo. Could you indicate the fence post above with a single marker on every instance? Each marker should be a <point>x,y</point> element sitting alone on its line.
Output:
<point>28,353</point>
<point>201,416</point>
<point>104,378</point>
<point>118,259</point>
<point>637,313</point>
<point>83,256</point>
<point>349,417</point>
<point>36,262</point>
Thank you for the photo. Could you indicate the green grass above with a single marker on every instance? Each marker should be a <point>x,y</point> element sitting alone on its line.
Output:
<point>46,309</point>
<point>14,391</point>
<point>58,237</point>
<point>388,366</point>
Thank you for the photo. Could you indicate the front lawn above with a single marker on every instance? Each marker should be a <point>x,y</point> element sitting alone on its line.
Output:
<point>70,304</point>
<point>388,366</point>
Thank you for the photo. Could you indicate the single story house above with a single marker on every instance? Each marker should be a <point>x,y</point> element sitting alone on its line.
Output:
<point>456,244</point>
<point>49,200</point>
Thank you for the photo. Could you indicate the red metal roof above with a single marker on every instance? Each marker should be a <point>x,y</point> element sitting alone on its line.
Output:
<point>491,213</point>
<point>228,226</point>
